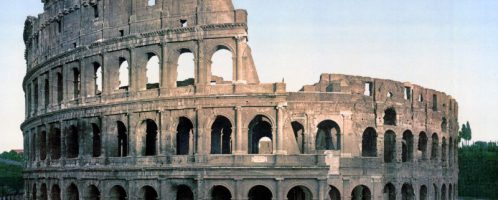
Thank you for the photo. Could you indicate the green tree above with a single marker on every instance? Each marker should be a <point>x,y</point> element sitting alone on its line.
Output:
<point>465,133</point>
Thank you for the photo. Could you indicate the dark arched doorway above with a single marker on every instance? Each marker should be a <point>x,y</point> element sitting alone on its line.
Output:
<point>260,193</point>
<point>299,193</point>
<point>260,130</point>
<point>221,136</point>
<point>220,193</point>
<point>361,192</point>
<point>184,192</point>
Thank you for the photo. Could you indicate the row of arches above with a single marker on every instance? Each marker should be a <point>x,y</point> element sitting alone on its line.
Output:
<point>408,148</point>
<point>408,193</point>
<point>217,192</point>
<point>70,82</point>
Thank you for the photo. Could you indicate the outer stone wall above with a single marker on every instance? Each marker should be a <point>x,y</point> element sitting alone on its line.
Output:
<point>90,136</point>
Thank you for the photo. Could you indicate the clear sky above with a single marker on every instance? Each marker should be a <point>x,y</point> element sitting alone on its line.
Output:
<point>447,45</point>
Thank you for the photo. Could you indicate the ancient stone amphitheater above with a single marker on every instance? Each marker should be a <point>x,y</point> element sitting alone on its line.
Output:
<point>100,125</point>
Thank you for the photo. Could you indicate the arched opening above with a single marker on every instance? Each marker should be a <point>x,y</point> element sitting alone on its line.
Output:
<point>76,83</point>
<point>436,192</point>
<point>334,193</point>
<point>46,93</point>
<point>450,152</point>
<point>443,150</point>
<point>423,192</point>
<point>122,140</point>
<point>407,192</point>
<point>60,87</point>
<point>220,193</point>
<point>450,191</point>
<point>124,74</point>
<point>97,78</point>
<point>422,144</point>
<point>298,130</point>
<point>149,193</point>
<point>150,138</point>
<point>43,192</point>
<point>93,193</point>
<point>389,192</point>
<point>184,137</point>
<point>54,144</point>
<point>443,192</point>
<point>43,145</point>
<point>328,136</point>
<point>184,192</point>
<point>151,2</point>
<point>72,142</point>
<point>390,116</point>
<point>55,193</point>
<point>34,193</point>
<point>97,142</point>
<point>222,66</point>
<point>221,136</point>
<point>260,131</point>
<point>407,149</point>
<point>369,143</point>
<point>299,193</point>
<point>435,144</point>
<point>153,71</point>
<point>118,193</point>
<point>185,69</point>
<point>72,192</point>
<point>35,96</point>
<point>260,193</point>
<point>444,124</point>
<point>389,147</point>
<point>361,192</point>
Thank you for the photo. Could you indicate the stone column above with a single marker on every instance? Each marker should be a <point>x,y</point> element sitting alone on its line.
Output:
<point>280,132</point>
<point>322,191</point>
<point>279,191</point>
<point>238,67</point>
<point>238,131</point>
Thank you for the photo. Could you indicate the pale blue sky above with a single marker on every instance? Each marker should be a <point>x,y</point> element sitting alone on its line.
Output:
<point>447,45</point>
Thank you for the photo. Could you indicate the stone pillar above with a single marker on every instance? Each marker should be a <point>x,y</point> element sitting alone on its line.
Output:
<point>280,132</point>
<point>202,69</point>
<point>238,189</point>
<point>322,191</point>
<point>163,67</point>
<point>238,131</point>
<point>279,191</point>
<point>239,66</point>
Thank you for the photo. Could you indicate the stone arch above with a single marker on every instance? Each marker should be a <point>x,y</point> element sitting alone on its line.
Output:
<point>92,193</point>
<point>423,192</point>
<point>184,192</point>
<point>72,192</point>
<point>422,144</point>
<point>450,152</point>
<point>54,144</point>
<point>43,192</point>
<point>153,71</point>
<point>42,143</point>
<point>435,146</point>
<point>221,136</point>
<point>260,192</point>
<point>260,130</point>
<point>444,148</point>
<point>299,193</point>
<point>443,192</point>
<point>72,141</point>
<point>96,141</point>
<point>148,138</point>
<point>389,192</point>
<point>184,136</point>
<point>76,79</point>
<point>390,117</point>
<point>34,192</point>
<point>407,148</point>
<point>444,124</point>
<point>361,192</point>
<point>219,192</point>
<point>334,193</point>
<point>55,192</point>
<point>369,143</point>
<point>389,146</point>
<point>185,75</point>
<point>436,191</point>
<point>450,192</point>
<point>122,137</point>
<point>98,78</point>
<point>124,74</point>
<point>407,192</point>
<point>298,130</point>
<point>117,192</point>
<point>222,71</point>
<point>328,136</point>
<point>148,193</point>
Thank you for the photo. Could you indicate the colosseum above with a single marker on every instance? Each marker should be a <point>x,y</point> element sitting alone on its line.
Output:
<point>103,123</point>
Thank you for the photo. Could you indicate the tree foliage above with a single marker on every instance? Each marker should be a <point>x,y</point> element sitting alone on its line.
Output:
<point>11,180</point>
<point>478,170</point>
<point>465,133</point>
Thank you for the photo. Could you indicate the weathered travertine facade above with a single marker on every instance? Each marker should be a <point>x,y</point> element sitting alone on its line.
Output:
<point>92,135</point>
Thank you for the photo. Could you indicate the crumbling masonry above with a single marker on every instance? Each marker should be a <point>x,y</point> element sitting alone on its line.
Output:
<point>91,134</point>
